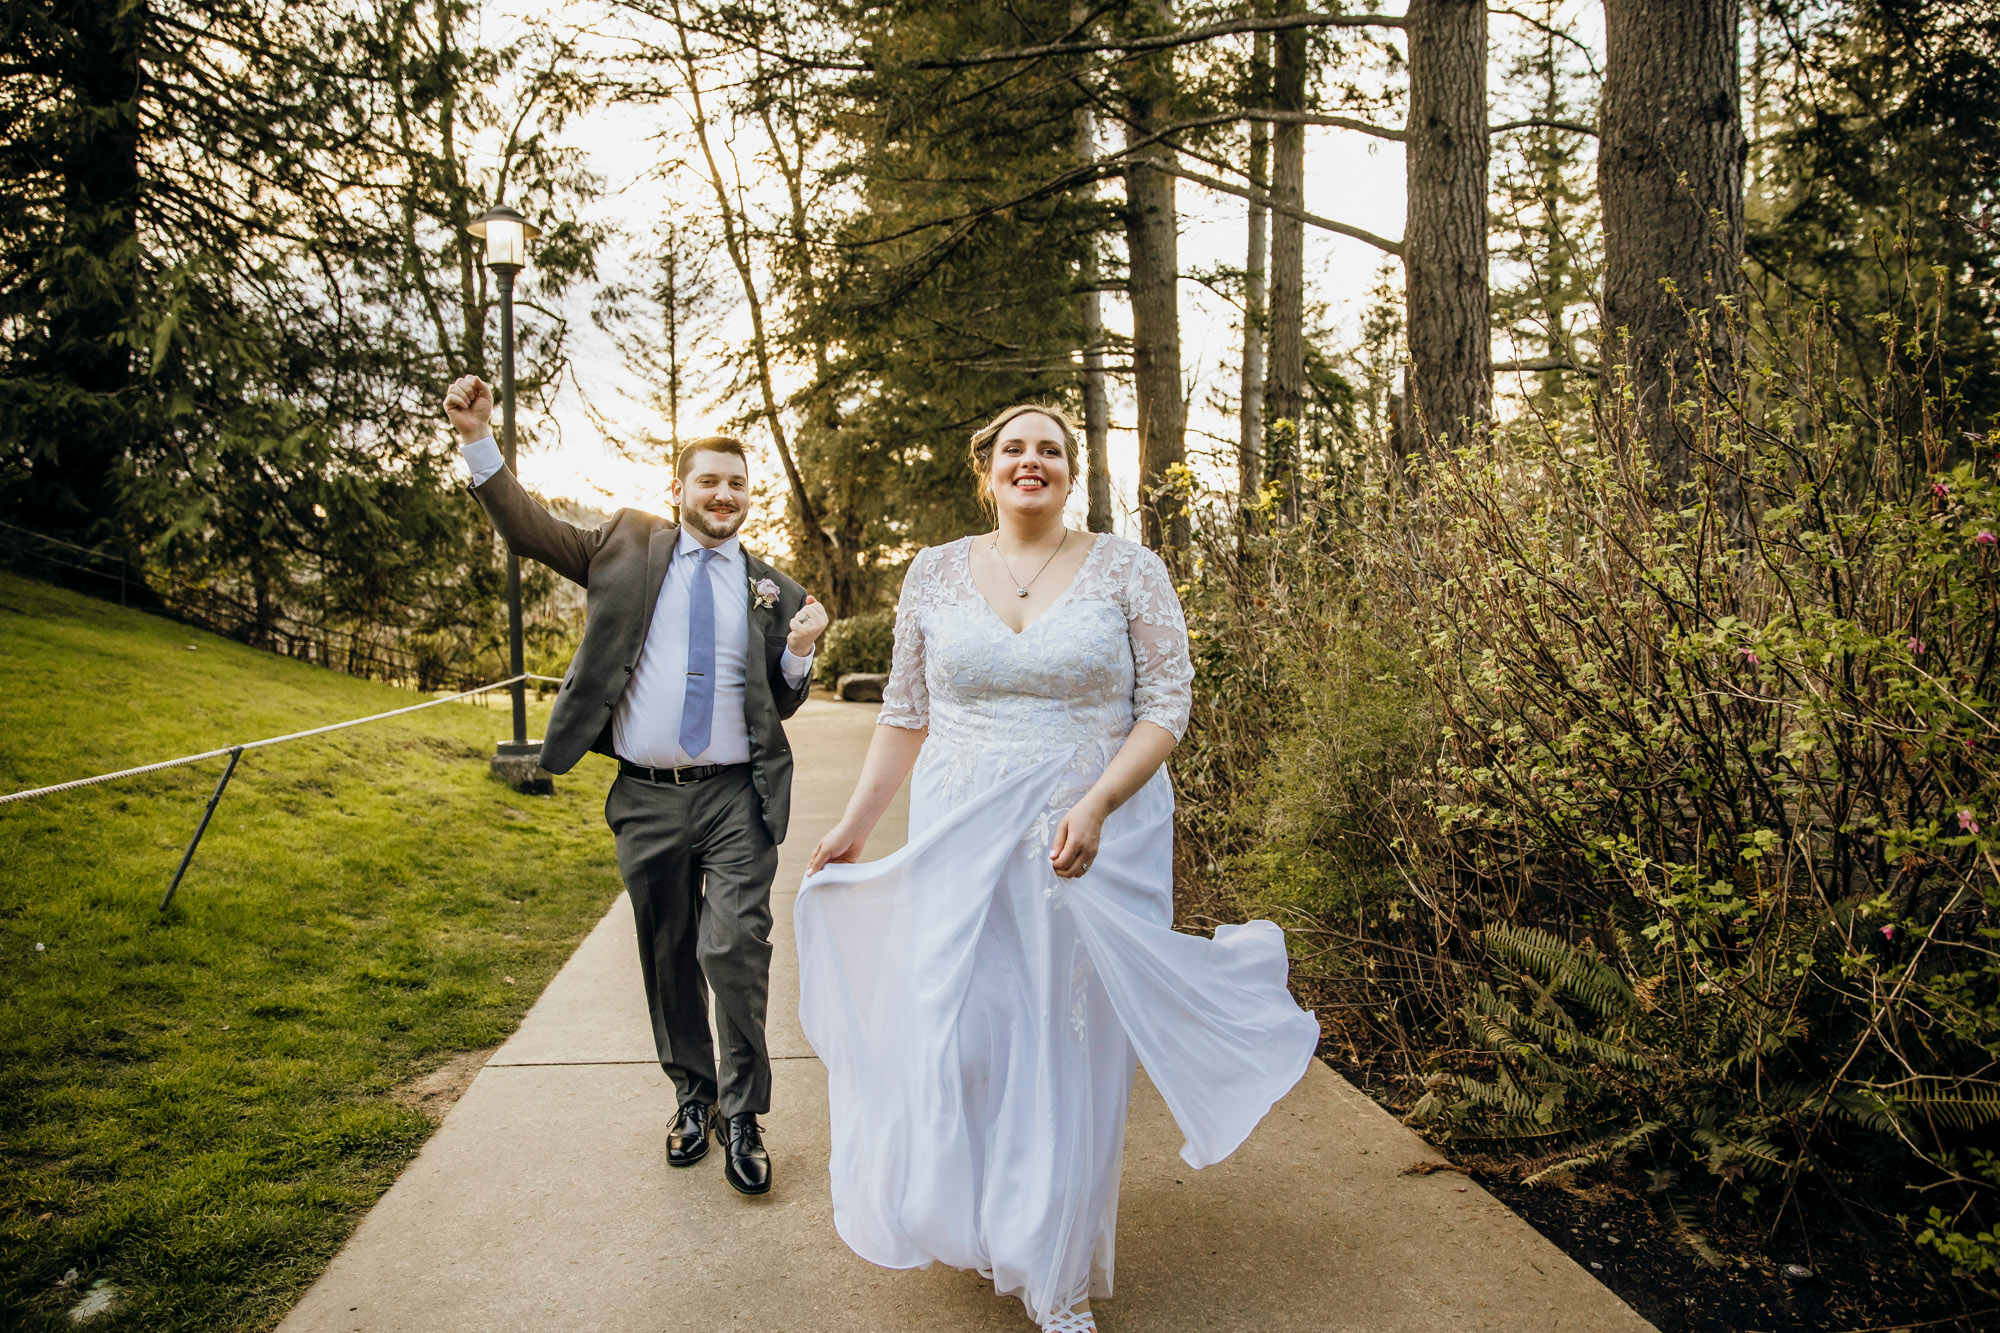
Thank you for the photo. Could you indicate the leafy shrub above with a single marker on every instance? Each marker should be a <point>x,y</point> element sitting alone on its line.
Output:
<point>1308,758</point>
<point>856,643</point>
<point>1718,785</point>
<point>1658,827</point>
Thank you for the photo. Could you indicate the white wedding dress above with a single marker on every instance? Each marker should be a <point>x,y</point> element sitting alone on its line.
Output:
<point>979,1017</point>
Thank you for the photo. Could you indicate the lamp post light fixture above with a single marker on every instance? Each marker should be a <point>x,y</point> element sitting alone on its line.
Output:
<point>507,233</point>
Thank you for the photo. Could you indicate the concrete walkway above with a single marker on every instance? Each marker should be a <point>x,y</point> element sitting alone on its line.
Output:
<point>544,1201</point>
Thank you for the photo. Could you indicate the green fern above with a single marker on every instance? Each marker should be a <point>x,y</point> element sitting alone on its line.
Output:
<point>1965,1107</point>
<point>1565,969</point>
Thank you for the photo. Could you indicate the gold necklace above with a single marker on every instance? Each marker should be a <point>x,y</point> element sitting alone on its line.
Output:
<point>1020,588</point>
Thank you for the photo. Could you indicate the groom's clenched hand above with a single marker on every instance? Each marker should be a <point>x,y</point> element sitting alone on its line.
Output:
<point>804,631</point>
<point>469,404</point>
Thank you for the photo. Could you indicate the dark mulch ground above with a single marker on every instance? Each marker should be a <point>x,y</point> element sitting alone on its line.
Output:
<point>1852,1272</point>
<point>1840,1280</point>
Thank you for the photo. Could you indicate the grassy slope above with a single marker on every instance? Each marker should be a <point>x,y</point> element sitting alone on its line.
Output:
<point>193,1105</point>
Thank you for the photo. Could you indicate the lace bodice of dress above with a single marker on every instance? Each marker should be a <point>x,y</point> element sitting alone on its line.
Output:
<point>1110,651</point>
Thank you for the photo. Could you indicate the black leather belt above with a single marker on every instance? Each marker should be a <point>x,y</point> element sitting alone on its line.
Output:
<point>679,777</point>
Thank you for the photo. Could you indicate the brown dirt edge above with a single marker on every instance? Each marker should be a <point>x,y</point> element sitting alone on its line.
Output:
<point>1864,1279</point>
<point>436,1092</point>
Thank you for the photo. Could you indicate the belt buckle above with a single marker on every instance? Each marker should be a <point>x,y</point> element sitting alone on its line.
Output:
<point>676,772</point>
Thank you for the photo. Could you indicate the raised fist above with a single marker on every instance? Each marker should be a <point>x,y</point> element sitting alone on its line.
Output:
<point>469,404</point>
<point>804,631</point>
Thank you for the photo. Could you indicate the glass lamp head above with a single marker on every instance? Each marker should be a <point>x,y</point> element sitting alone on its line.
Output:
<point>506,234</point>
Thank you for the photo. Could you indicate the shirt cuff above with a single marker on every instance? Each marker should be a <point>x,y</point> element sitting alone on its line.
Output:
<point>796,668</point>
<point>482,458</point>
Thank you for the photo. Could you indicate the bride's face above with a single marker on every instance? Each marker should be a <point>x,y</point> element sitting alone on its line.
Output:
<point>1030,473</point>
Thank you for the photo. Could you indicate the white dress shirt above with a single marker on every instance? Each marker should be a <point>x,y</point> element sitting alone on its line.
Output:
<point>646,727</point>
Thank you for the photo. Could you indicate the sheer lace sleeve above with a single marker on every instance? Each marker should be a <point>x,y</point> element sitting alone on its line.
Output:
<point>1164,691</point>
<point>906,699</point>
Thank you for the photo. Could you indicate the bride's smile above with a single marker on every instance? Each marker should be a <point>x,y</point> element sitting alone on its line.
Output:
<point>1031,472</point>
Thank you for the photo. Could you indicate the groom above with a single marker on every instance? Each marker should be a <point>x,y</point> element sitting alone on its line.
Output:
<point>693,652</point>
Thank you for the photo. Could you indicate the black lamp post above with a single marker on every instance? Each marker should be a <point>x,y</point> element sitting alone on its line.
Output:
<point>507,234</point>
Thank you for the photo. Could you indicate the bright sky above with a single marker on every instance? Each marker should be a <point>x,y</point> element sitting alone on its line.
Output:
<point>1350,177</point>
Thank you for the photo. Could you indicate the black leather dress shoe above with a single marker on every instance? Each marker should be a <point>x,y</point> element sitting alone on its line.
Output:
<point>687,1140</point>
<point>745,1164</point>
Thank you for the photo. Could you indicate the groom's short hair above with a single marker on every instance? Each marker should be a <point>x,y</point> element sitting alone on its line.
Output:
<point>714,444</point>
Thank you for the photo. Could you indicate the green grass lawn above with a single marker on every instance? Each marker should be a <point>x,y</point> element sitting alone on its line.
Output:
<point>195,1105</point>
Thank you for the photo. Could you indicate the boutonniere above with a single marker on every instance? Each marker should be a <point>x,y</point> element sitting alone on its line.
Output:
<point>764,592</point>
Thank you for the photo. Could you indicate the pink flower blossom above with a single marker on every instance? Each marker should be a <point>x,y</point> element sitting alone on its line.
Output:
<point>1888,932</point>
<point>1985,538</point>
<point>1915,645</point>
<point>1939,489</point>
<point>1750,655</point>
<point>1967,822</point>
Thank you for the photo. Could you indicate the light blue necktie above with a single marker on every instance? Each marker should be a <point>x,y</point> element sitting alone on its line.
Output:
<point>698,706</point>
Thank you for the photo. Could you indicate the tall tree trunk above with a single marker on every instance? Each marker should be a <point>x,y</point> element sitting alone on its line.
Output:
<point>1670,177</point>
<point>90,287</point>
<point>1250,410</point>
<point>670,306</point>
<point>1152,239</point>
<point>1444,240</point>
<point>1285,398</point>
<point>1096,402</point>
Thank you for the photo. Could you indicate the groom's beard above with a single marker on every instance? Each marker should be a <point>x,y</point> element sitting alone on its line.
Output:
<point>720,526</point>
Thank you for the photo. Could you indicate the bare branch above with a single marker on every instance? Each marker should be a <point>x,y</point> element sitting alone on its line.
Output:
<point>646,53</point>
<point>1537,363</point>
<point>1283,118</point>
<point>1165,41</point>
<point>737,242</point>
<point>1536,122</point>
<point>1382,243</point>
<point>1318,118</point>
<point>1589,60</point>
<point>1112,45</point>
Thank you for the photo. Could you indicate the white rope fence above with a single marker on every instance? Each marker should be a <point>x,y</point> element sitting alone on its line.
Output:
<point>269,740</point>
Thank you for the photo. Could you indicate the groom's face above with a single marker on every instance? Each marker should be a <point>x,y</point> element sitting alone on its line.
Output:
<point>714,496</point>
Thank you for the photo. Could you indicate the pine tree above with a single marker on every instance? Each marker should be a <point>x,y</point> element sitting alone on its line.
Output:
<point>946,294</point>
<point>1546,238</point>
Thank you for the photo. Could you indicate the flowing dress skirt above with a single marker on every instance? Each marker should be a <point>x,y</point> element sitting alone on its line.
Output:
<point>980,1018</point>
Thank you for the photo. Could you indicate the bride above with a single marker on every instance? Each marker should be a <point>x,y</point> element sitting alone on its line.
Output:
<point>980,997</point>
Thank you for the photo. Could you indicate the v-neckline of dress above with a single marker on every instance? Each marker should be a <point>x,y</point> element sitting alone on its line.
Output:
<point>965,560</point>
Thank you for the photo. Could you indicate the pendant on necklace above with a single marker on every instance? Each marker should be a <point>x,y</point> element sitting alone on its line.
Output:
<point>1020,592</point>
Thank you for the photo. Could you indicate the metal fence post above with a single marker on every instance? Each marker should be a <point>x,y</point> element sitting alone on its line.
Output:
<point>235,753</point>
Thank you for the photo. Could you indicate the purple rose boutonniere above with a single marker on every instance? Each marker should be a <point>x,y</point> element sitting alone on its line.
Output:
<point>765,592</point>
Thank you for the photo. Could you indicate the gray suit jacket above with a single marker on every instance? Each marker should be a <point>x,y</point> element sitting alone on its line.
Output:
<point>622,565</point>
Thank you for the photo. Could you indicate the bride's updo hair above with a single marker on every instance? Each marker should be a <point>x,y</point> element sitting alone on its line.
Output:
<point>984,437</point>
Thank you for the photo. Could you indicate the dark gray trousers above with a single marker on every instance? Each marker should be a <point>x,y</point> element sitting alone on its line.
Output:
<point>698,864</point>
